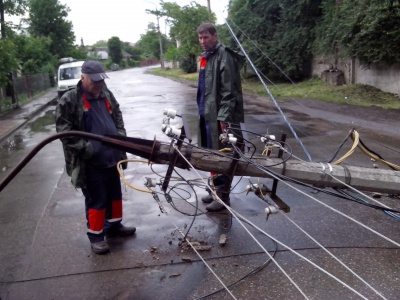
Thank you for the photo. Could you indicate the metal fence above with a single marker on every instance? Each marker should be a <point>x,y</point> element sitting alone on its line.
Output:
<point>25,87</point>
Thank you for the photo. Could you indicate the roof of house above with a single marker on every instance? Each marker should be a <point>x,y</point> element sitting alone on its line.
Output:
<point>124,53</point>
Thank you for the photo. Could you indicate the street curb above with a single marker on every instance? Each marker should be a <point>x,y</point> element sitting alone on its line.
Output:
<point>53,101</point>
<point>27,118</point>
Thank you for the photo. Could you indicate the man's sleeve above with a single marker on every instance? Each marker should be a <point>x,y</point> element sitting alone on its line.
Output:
<point>228,88</point>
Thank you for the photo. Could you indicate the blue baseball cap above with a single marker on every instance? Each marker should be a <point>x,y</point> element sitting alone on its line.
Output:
<point>94,70</point>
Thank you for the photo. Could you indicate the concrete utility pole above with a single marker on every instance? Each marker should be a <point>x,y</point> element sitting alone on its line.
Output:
<point>157,14</point>
<point>365,179</point>
<point>209,5</point>
<point>160,40</point>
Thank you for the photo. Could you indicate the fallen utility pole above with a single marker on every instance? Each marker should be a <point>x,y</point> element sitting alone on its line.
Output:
<point>365,179</point>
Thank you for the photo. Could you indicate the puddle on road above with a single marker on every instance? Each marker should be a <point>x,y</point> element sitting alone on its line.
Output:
<point>19,140</point>
<point>10,146</point>
<point>14,143</point>
<point>23,137</point>
<point>42,123</point>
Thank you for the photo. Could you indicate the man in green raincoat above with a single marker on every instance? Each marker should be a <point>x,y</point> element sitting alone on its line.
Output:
<point>220,101</point>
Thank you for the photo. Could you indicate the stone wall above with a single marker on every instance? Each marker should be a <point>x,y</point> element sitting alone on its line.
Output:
<point>386,79</point>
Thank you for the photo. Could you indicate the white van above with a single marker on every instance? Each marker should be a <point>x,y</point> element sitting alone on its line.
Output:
<point>68,76</point>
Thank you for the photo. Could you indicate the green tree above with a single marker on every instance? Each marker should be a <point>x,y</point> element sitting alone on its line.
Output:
<point>48,18</point>
<point>8,60</point>
<point>184,22</point>
<point>78,52</point>
<point>134,51</point>
<point>366,29</point>
<point>115,49</point>
<point>101,43</point>
<point>11,8</point>
<point>283,31</point>
<point>172,53</point>
<point>34,54</point>
<point>149,43</point>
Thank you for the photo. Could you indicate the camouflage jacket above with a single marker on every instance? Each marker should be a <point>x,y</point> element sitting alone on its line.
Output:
<point>70,116</point>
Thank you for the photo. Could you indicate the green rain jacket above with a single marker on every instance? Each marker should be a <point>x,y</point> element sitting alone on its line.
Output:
<point>223,95</point>
<point>70,116</point>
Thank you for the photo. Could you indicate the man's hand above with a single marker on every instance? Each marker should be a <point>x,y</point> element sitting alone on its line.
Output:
<point>87,150</point>
<point>224,126</point>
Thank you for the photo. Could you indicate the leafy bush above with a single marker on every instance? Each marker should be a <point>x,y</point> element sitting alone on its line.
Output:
<point>188,65</point>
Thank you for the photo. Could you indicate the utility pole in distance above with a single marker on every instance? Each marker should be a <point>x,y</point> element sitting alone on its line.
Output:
<point>158,15</point>
<point>160,40</point>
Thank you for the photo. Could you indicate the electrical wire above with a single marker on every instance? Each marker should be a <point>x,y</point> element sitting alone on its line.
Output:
<point>283,177</point>
<point>333,256</point>
<point>270,94</point>
<point>341,145</point>
<point>237,215</point>
<point>121,174</point>
<point>250,234</point>
<point>333,209</point>
<point>256,270</point>
<point>389,213</point>
<point>358,143</point>
<point>382,207</point>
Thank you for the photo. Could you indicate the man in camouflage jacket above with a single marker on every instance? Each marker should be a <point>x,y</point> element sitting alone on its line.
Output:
<point>91,107</point>
<point>70,116</point>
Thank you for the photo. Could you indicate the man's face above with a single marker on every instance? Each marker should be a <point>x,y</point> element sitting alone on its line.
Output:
<point>208,41</point>
<point>93,87</point>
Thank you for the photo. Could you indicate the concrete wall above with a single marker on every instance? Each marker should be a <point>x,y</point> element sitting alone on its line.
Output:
<point>386,79</point>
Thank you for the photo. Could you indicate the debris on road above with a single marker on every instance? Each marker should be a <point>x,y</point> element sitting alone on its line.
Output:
<point>222,240</point>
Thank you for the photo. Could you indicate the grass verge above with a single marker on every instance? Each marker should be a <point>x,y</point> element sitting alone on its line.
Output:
<point>316,89</point>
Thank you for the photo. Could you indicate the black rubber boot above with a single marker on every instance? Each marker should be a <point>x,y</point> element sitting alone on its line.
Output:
<point>216,206</point>
<point>207,199</point>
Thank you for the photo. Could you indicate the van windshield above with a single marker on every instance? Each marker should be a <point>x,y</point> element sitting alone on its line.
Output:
<point>70,73</point>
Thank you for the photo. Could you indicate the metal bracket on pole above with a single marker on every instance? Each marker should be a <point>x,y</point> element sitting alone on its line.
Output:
<point>272,193</point>
<point>232,168</point>
<point>185,133</point>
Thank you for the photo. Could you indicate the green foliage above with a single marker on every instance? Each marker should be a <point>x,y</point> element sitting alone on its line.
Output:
<point>8,61</point>
<point>172,54</point>
<point>115,49</point>
<point>34,53</point>
<point>48,18</point>
<point>149,43</point>
<point>11,8</point>
<point>366,29</point>
<point>188,64</point>
<point>133,63</point>
<point>100,44</point>
<point>276,32</point>
<point>184,22</point>
<point>78,52</point>
<point>134,51</point>
<point>15,7</point>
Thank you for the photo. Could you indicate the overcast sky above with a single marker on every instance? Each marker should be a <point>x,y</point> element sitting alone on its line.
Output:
<point>95,20</point>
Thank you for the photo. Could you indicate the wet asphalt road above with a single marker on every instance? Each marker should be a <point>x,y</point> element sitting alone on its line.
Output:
<point>45,254</point>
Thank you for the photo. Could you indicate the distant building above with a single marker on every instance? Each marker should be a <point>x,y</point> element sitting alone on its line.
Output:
<point>101,53</point>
